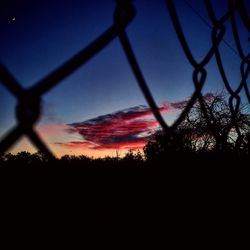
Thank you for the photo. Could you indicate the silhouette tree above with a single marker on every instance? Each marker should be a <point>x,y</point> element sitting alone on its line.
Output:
<point>133,156</point>
<point>218,129</point>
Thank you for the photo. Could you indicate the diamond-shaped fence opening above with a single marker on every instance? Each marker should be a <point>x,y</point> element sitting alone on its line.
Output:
<point>29,100</point>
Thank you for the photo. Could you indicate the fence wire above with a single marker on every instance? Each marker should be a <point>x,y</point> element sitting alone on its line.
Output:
<point>29,100</point>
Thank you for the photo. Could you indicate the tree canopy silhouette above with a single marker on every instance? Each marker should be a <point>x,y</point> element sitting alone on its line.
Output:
<point>211,126</point>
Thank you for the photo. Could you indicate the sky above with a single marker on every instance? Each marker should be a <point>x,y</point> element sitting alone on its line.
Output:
<point>99,109</point>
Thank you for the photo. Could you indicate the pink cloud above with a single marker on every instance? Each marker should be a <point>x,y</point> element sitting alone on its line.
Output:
<point>125,129</point>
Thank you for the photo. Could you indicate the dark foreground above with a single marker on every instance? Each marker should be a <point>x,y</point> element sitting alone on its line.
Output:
<point>183,194</point>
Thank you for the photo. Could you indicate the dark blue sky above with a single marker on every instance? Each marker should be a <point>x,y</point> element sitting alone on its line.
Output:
<point>45,33</point>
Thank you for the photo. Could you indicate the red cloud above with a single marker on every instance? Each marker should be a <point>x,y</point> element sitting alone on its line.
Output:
<point>126,129</point>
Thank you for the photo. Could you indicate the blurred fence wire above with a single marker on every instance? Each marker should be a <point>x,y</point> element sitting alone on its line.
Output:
<point>29,100</point>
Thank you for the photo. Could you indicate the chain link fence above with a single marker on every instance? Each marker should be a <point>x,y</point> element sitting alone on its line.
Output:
<point>29,100</point>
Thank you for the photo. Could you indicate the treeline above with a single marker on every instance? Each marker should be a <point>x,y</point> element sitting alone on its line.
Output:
<point>179,185</point>
<point>25,159</point>
<point>198,174</point>
<point>211,134</point>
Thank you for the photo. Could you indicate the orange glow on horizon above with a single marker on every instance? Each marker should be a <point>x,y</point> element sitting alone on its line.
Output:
<point>25,145</point>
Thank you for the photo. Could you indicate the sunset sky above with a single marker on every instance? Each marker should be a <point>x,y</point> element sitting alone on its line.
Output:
<point>99,109</point>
